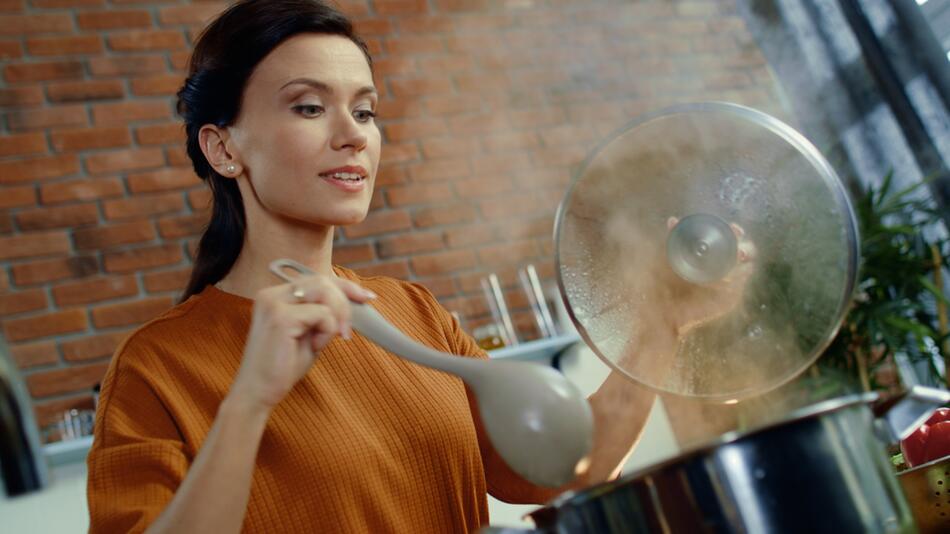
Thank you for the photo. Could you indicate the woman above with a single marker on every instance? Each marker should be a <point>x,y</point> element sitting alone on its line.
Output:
<point>252,404</point>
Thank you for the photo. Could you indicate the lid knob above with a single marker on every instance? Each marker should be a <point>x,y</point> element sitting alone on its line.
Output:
<point>702,248</point>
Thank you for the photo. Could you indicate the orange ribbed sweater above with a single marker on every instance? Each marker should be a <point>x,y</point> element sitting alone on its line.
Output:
<point>365,442</point>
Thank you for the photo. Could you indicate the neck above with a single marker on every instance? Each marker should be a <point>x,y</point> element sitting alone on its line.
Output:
<point>306,244</point>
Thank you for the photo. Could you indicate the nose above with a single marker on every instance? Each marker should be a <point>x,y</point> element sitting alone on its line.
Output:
<point>348,134</point>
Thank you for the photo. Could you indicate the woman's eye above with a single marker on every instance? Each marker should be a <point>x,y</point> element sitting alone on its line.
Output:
<point>308,110</point>
<point>364,115</point>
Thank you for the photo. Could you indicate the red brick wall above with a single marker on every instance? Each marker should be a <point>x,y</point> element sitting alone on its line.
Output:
<point>487,106</point>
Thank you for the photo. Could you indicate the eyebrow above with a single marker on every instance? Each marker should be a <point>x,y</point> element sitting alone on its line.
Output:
<point>325,88</point>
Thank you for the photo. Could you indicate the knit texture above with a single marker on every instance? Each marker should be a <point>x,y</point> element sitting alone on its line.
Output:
<point>365,442</point>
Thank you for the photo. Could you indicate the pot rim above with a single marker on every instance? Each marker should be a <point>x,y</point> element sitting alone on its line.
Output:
<point>806,412</point>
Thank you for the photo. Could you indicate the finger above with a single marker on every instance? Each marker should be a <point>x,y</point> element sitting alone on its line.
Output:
<point>315,320</point>
<point>354,291</point>
<point>746,251</point>
<point>324,290</point>
<point>738,230</point>
<point>671,223</point>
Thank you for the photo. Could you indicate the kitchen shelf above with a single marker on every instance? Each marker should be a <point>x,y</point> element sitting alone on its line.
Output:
<point>75,450</point>
<point>538,349</point>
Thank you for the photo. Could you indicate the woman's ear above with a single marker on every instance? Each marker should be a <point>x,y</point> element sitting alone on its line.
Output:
<point>214,143</point>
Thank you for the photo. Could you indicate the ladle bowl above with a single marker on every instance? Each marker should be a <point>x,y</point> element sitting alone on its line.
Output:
<point>538,421</point>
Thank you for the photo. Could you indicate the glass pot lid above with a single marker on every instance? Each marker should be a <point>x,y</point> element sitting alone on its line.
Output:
<point>707,250</point>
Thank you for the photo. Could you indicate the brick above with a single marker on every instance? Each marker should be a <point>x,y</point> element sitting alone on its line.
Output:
<point>401,108</point>
<point>199,199</point>
<point>113,20</point>
<point>482,123</point>
<point>413,129</point>
<point>179,60</point>
<point>68,216</point>
<point>164,281</point>
<point>349,254</point>
<point>85,189</point>
<point>444,215</point>
<point>16,25</point>
<point>50,324</point>
<point>67,380</point>
<point>448,147</point>
<point>197,14</point>
<point>34,354</point>
<point>34,169</point>
<point>124,160</point>
<point>385,67</point>
<point>22,144</point>
<point>415,45</point>
<point>142,258</point>
<point>10,50</point>
<point>124,112</point>
<point>440,287</point>
<point>38,272</point>
<point>130,313</point>
<point>468,236</point>
<point>447,63</point>
<point>90,138</point>
<point>42,72</point>
<point>401,7</point>
<point>415,194</point>
<point>504,163</point>
<point>510,141</point>
<point>22,301</point>
<point>85,91</point>
<point>389,175</point>
<point>105,237</point>
<point>410,243</point>
<point>440,170</point>
<point>162,180</point>
<point>443,262</point>
<point>394,269</point>
<point>166,84</point>
<point>428,23</point>
<point>160,134</point>
<point>485,186</point>
<point>21,97</point>
<point>418,86</point>
<point>177,156</point>
<point>379,222</point>
<point>64,46</point>
<point>126,65</point>
<point>39,119</point>
<point>143,206</point>
<point>92,347</point>
<point>517,252</point>
<point>95,290</point>
<point>17,196</point>
<point>139,41</point>
<point>542,227</point>
<point>183,226</point>
<point>33,244</point>
<point>451,105</point>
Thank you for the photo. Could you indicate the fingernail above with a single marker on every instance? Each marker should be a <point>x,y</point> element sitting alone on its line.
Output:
<point>346,331</point>
<point>370,294</point>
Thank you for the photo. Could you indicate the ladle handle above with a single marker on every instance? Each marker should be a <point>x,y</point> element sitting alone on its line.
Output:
<point>368,322</point>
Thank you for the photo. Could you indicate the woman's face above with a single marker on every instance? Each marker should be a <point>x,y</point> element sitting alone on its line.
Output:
<point>306,137</point>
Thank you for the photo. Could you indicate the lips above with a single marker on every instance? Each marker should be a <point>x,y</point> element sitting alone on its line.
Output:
<point>350,178</point>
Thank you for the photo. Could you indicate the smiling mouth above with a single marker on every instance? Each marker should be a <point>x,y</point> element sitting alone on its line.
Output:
<point>350,177</point>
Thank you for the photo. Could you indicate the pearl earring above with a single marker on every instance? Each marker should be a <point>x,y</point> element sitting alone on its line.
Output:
<point>230,168</point>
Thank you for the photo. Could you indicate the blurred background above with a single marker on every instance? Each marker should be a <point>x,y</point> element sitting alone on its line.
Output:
<point>487,107</point>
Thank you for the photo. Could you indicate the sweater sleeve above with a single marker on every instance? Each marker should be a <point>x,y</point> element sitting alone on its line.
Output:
<point>138,458</point>
<point>503,483</point>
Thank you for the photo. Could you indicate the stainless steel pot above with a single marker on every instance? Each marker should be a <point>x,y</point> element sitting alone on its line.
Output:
<point>821,469</point>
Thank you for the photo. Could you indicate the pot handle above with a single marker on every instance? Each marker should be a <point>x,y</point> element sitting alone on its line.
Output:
<point>900,415</point>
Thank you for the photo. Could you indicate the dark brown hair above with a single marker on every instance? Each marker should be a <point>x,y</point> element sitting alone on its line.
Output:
<point>223,59</point>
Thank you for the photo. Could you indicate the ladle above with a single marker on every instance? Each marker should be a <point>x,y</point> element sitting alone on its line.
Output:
<point>537,420</point>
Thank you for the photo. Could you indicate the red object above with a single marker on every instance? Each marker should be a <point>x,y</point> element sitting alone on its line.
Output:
<point>930,441</point>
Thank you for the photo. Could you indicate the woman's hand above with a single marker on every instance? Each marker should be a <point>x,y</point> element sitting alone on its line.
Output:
<point>692,305</point>
<point>291,324</point>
